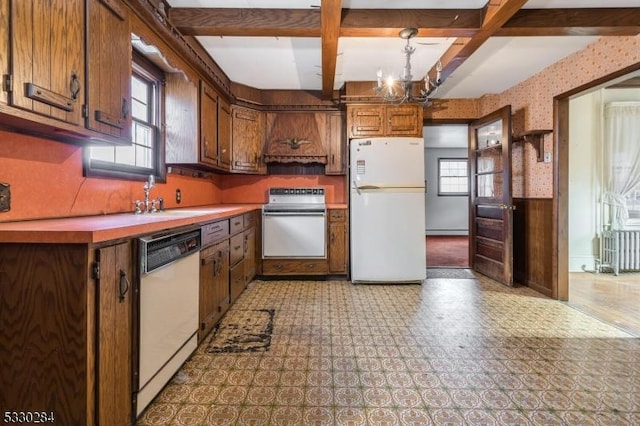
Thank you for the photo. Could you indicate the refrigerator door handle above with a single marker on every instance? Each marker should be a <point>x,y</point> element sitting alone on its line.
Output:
<point>358,188</point>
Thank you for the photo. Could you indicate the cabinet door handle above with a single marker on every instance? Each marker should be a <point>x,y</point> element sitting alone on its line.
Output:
<point>125,108</point>
<point>74,85</point>
<point>124,285</point>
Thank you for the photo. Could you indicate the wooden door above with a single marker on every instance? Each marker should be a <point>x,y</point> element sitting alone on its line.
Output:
<point>114,369</point>
<point>208,124</point>
<point>491,208</point>
<point>47,58</point>
<point>109,69</point>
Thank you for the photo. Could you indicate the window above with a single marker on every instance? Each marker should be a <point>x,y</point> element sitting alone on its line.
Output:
<point>452,176</point>
<point>145,156</point>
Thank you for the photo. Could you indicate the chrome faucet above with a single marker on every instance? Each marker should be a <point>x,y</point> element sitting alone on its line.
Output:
<point>148,205</point>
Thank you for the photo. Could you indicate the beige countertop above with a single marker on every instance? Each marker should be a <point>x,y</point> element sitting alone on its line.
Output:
<point>97,229</point>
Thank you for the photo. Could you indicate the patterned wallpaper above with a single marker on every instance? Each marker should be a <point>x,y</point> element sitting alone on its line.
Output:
<point>532,103</point>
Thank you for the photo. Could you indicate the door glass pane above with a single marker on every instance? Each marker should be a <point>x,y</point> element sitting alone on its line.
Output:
<point>489,160</point>
<point>489,135</point>
<point>489,185</point>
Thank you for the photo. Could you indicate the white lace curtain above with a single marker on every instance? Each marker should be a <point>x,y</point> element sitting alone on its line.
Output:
<point>621,149</point>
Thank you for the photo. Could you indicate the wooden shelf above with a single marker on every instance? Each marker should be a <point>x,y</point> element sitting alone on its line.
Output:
<point>536,138</point>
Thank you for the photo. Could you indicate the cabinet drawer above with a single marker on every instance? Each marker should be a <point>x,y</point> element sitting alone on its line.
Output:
<point>237,282</point>
<point>337,215</point>
<point>215,231</point>
<point>236,249</point>
<point>250,219</point>
<point>295,267</point>
<point>237,224</point>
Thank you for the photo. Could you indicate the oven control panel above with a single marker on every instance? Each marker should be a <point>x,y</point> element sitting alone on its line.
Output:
<point>296,196</point>
<point>296,191</point>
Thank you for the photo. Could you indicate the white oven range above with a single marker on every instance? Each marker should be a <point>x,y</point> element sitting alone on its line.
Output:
<point>294,224</point>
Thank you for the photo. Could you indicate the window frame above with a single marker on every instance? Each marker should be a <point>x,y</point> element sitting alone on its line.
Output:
<point>142,68</point>
<point>453,194</point>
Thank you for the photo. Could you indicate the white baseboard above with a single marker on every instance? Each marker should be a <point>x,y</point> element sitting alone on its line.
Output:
<point>446,232</point>
<point>582,263</point>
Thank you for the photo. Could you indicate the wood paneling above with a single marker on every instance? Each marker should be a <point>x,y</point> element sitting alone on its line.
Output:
<point>532,243</point>
<point>43,330</point>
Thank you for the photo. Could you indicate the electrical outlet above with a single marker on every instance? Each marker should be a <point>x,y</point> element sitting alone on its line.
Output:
<point>178,196</point>
<point>5,197</point>
<point>547,157</point>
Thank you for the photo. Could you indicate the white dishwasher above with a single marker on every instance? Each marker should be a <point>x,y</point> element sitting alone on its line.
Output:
<point>168,309</point>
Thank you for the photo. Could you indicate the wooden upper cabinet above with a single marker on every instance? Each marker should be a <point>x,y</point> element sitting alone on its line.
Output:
<point>403,120</point>
<point>247,138</point>
<point>336,145</point>
<point>4,47</point>
<point>181,120</point>
<point>108,102</point>
<point>47,74</point>
<point>365,120</point>
<point>384,120</point>
<point>224,134</point>
<point>208,124</point>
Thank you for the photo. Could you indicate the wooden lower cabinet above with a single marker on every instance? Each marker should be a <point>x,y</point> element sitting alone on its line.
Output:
<point>65,331</point>
<point>249,254</point>
<point>295,267</point>
<point>338,241</point>
<point>214,286</point>
<point>114,331</point>
<point>236,281</point>
<point>227,265</point>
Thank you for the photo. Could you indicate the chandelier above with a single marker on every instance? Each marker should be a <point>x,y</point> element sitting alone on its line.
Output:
<point>405,89</point>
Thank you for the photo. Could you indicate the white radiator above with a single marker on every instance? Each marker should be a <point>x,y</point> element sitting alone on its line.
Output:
<point>621,250</point>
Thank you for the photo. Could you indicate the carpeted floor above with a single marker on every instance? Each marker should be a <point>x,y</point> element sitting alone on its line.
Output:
<point>447,251</point>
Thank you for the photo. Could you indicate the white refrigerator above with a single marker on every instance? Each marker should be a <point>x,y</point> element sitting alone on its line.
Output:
<point>387,210</point>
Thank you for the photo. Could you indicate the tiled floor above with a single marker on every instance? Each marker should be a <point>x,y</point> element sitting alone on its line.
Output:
<point>445,352</point>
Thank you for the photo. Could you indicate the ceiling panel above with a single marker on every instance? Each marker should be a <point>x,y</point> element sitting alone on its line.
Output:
<point>268,62</point>
<point>503,62</point>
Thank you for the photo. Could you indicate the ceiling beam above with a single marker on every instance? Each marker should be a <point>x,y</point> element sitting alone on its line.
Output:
<point>388,22</point>
<point>621,21</point>
<point>330,17</point>
<point>246,22</point>
<point>497,13</point>
<point>430,22</point>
